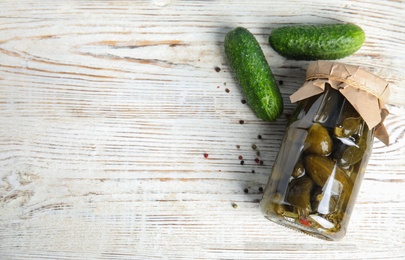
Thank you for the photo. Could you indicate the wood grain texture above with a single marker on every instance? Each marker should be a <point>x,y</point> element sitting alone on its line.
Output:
<point>108,107</point>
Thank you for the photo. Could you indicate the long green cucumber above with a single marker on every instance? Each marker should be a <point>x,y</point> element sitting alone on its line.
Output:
<point>253,74</point>
<point>317,42</point>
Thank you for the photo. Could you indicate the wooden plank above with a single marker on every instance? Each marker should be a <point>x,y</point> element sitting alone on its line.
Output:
<point>107,109</point>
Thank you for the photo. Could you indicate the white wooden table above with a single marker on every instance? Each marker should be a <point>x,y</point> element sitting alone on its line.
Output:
<point>108,107</point>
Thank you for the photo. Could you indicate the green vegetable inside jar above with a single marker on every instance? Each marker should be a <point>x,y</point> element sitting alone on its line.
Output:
<point>328,142</point>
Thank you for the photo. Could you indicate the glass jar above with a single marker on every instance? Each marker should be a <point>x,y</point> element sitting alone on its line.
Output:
<point>322,159</point>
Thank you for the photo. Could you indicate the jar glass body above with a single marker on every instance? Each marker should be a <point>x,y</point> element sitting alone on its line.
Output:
<point>319,168</point>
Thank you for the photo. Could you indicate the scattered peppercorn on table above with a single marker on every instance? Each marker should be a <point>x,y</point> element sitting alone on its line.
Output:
<point>124,133</point>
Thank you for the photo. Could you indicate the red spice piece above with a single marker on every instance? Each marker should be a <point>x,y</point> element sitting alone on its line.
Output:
<point>257,160</point>
<point>206,155</point>
<point>240,157</point>
<point>305,222</point>
<point>227,90</point>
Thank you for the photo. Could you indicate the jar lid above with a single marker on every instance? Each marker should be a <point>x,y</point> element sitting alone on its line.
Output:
<point>364,90</point>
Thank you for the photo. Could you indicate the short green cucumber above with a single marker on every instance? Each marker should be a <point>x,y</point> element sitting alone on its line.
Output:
<point>317,42</point>
<point>253,74</point>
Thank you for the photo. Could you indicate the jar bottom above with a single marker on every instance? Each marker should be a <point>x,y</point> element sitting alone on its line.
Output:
<point>298,227</point>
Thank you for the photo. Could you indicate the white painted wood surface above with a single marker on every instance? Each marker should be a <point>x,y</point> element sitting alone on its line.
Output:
<point>107,109</point>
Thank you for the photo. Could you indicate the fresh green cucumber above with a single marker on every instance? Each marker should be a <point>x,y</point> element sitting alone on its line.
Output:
<point>317,42</point>
<point>253,74</point>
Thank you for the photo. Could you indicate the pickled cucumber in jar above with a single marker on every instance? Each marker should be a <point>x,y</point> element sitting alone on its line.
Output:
<point>319,167</point>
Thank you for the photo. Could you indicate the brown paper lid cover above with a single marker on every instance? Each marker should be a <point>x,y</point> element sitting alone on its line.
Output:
<point>364,90</point>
